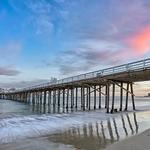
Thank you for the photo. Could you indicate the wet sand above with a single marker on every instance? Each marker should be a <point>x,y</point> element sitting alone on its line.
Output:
<point>41,143</point>
<point>137,142</point>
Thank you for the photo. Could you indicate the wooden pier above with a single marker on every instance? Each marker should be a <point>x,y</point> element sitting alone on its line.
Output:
<point>94,90</point>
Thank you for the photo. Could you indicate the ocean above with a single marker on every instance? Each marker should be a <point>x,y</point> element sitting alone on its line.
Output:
<point>34,127</point>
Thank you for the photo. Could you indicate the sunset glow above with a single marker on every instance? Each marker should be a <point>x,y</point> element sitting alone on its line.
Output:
<point>140,42</point>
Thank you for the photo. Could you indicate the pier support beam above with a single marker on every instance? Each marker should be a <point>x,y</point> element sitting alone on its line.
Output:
<point>89,97</point>
<point>121,95</point>
<point>49,97</point>
<point>33,98</point>
<point>132,95</point>
<point>58,97</point>
<point>81,97</point>
<point>94,97</point>
<point>41,95</point>
<point>76,97</point>
<point>100,97</point>
<point>54,98</point>
<point>63,98</point>
<point>44,97</point>
<point>72,97</point>
<point>113,97</point>
<point>67,98</point>
<point>107,98</point>
<point>127,95</point>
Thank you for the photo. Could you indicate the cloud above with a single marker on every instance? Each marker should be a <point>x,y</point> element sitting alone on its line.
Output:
<point>86,59</point>
<point>91,58</point>
<point>23,84</point>
<point>100,22</point>
<point>103,34</point>
<point>10,50</point>
<point>140,41</point>
<point>41,18</point>
<point>44,15</point>
<point>6,71</point>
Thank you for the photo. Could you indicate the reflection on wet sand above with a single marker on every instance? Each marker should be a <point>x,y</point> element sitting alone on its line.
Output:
<point>95,136</point>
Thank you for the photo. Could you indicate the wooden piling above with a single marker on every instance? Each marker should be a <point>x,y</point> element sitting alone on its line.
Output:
<point>99,96</point>
<point>63,98</point>
<point>41,98</point>
<point>44,98</point>
<point>89,97</point>
<point>33,98</point>
<point>58,97</point>
<point>113,97</point>
<point>38,99</point>
<point>83,98</point>
<point>127,95</point>
<point>76,97</point>
<point>67,98</point>
<point>107,98</point>
<point>54,98</point>
<point>94,97</point>
<point>49,97</point>
<point>72,97</point>
<point>121,95</point>
<point>132,95</point>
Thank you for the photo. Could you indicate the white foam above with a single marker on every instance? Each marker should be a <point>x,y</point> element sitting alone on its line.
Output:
<point>34,125</point>
<point>19,127</point>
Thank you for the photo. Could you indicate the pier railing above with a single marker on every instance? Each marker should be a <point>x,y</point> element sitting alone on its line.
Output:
<point>134,66</point>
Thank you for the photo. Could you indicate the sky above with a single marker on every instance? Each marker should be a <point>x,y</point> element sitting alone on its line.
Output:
<point>40,39</point>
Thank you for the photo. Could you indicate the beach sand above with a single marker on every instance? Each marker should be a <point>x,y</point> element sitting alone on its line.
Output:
<point>137,142</point>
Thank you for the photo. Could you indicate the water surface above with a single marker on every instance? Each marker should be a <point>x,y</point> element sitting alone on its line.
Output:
<point>23,126</point>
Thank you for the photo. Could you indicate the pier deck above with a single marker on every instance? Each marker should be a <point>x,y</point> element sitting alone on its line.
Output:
<point>66,92</point>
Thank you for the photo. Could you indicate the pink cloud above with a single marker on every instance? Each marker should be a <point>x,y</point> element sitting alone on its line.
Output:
<point>140,41</point>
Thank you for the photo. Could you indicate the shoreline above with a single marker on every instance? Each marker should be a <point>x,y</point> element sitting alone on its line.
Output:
<point>137,142</point>
<point>115,133</point>
<point>88,130</point>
